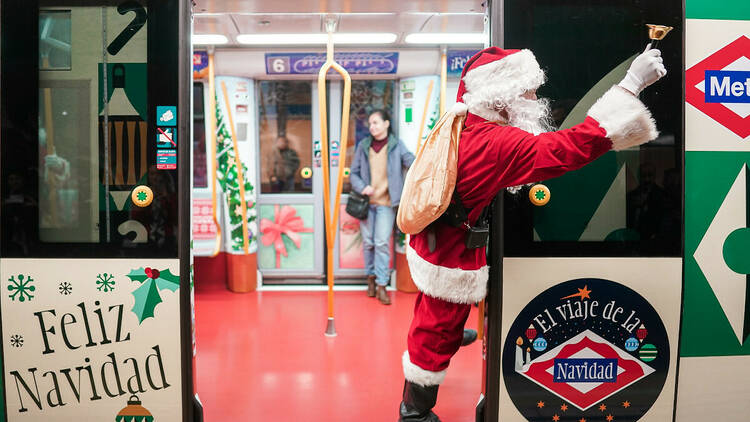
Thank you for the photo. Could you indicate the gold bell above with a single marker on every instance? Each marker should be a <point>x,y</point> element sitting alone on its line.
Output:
<point>658,32</point>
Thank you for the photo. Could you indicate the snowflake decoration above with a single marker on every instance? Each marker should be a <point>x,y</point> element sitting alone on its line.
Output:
<point>65,288</point>
<point>22,288</point>
<point>539,194</point>
<point>16,340</point>
<point>105,282</point>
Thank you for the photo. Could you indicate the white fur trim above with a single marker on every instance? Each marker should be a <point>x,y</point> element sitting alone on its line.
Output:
<point>420,376</point>
<point>459,109</point>
<point>494,85</point>
<point>454,285</point>
<point>627,121</point>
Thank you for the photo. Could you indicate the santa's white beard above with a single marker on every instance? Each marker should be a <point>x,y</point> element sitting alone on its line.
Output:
<point>530,115</point>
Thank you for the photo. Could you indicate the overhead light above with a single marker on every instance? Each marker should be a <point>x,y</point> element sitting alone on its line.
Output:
<point>209,39</point>
<point>445,38</point>
<point>300,39</point>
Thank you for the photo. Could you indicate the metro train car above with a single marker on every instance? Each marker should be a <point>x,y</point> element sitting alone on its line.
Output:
<point>175,242</point>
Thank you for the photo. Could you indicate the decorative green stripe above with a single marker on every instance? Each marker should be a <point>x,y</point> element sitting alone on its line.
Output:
<point>712,9</point>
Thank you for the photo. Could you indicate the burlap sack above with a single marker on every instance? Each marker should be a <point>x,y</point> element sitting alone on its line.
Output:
<point>430,181</point>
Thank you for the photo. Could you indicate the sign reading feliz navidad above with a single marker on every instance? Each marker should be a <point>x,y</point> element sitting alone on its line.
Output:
<point>586,349</point>
<point>94,338</point>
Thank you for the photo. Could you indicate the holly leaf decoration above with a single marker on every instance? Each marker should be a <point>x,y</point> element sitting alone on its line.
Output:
<point>146,298</point>
<point>147,295</point>
<point>167,280</point>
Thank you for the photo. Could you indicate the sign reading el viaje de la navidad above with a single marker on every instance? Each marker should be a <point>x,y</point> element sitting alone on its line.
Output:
<point>586,349</point>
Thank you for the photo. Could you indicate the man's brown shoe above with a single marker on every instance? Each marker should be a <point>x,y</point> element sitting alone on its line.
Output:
<point>383,296</point>
<point>370,286</point>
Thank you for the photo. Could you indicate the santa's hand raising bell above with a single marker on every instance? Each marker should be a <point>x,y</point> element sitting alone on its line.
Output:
<point>646,69</point>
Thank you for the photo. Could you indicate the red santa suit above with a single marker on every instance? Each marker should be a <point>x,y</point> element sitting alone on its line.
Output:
<point>492,156</point>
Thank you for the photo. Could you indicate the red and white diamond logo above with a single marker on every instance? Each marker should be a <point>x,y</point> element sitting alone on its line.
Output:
<point>735,116</point>
<point>585,369</point>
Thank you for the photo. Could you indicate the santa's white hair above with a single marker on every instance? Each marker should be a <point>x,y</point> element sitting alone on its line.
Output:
<point>497,85</point>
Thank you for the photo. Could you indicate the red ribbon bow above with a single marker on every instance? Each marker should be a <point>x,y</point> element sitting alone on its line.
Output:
<point>286,221</point>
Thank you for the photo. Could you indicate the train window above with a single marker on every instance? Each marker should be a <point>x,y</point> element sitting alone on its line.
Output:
<point>77,148</point>
<point>285,124</point>
<point>54,40</point>
<point>66,211</point>
<point>366,97</point>
<point>200,172</point>
<point>625,203</point>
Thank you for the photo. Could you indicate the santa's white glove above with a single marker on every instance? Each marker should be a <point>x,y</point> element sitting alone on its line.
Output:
<point>56,166</point>
<point>646,69</point>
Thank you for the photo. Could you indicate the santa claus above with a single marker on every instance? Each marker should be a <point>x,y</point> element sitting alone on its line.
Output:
<point>504,142</point>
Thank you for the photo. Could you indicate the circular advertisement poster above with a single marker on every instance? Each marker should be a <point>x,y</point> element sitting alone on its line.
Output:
<point>586,350</point>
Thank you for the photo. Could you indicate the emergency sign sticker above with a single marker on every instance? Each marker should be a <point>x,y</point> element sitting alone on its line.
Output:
<point>586,349</point>
<point>166,159</point>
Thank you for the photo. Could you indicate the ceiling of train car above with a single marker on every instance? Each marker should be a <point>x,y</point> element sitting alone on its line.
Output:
<point>338,6</point>
<point>234,17</point>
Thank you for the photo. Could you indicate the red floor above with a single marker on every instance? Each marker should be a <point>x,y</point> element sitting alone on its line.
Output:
<point>263,357</point>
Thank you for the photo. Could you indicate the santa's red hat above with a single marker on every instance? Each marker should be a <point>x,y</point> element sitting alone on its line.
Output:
<point>494,77</point>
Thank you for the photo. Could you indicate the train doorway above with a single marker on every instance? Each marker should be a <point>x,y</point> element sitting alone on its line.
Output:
<point>263,346</point>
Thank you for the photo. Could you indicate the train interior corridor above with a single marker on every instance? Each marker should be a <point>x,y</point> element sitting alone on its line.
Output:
<point>260,307</point>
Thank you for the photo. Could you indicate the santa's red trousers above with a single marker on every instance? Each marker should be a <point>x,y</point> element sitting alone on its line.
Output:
<point>436,332</point>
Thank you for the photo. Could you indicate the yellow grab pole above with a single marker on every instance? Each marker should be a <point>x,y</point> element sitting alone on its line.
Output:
<point>332,223</point>
<point>424,114</point>
<point>480,323</point>
<point>49,127</point>
<point>213,158</point>
<point>240,177</point>
<point>443,80</point>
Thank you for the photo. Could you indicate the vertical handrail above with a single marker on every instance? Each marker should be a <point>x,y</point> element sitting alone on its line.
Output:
<point>240,176</point>
<point>424,115</point>
<point>213,157</point>
<point>49,126</point>
<point>480,323</point>
<point>332,223</point>
<point>443,79</point>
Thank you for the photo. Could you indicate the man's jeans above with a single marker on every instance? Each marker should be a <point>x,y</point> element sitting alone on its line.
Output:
<point>376,242</point>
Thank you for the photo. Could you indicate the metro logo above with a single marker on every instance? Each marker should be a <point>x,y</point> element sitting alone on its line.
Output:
<point>728,87</point>
<point>719,86</point>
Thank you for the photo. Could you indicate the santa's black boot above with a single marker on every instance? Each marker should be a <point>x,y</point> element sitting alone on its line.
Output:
<point>417,403</point>
<point>469,336</point>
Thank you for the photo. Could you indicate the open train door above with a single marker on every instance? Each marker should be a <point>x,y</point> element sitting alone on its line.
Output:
<point>585,292</point>
<point>95,210</point>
